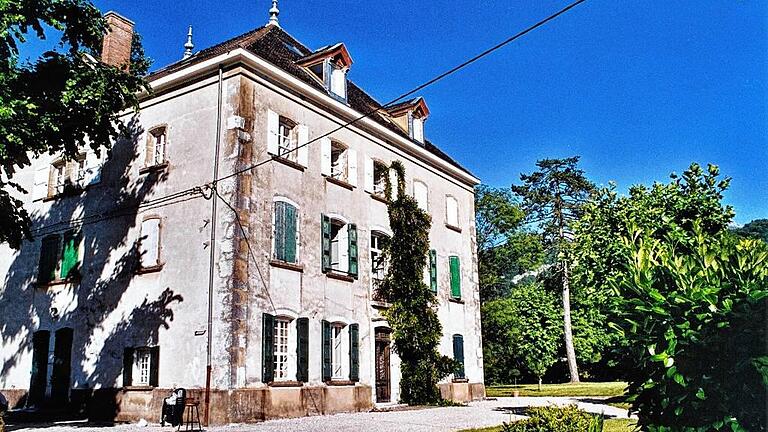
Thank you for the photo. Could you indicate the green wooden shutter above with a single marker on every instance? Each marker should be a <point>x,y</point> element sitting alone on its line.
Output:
<point>290,233</point>
<point>326,351</point>
<point>267,348</point>
<point>70,255</point>
<point>433,270</point>
<point>354,352</point>
<point>352,236</point>
<point>49,257</point>
<point>458,355</point>
<point>280,230</point>
<point>455,277</point>
<point>326,234</point>
<point>302,349</point>
<point>127,366</point>
<point>154,366</point>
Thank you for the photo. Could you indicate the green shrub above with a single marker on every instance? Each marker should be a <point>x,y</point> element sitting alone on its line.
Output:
<point>557,419</point>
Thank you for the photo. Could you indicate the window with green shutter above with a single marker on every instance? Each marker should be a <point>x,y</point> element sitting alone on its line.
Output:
<point>285,238</point>
<point>354,352</point>
<point>49,259</point>
<point>302,349</point>
<point>326,243</point>
<point>433,270</point>
<point>352,238</point>
<point>70,254</point>
<point>267,348</point>
<point>326,354</point>
<point>455,277</point>
<point>458,356</point>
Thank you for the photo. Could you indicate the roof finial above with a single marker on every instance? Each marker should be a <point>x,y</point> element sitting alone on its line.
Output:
<point>189,45</point>
<point>273,13</point>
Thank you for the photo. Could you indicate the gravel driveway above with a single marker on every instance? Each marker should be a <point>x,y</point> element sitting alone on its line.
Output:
<point>477,414</point>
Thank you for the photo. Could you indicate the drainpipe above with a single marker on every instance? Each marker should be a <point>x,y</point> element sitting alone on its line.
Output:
<point>212,263</point>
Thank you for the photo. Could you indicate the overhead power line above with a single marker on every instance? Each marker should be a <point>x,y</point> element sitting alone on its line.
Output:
<point>212,184</point>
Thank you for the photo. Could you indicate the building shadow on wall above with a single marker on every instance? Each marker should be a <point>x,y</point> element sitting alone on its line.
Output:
<point>95,301</point>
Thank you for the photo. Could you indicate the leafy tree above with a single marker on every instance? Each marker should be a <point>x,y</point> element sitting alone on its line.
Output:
<point>416,329</point>
<point>600,255</point>
<point>504,249</point>
<point>552,198</point>
<point>60,102</point>
<point>521,331</point>
<point>758,229</point>
<point>695,318</point>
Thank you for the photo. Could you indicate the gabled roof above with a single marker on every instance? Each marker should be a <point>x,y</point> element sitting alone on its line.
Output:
<point>417,103</point>
<point>338,49</point>
<point>274,45</point>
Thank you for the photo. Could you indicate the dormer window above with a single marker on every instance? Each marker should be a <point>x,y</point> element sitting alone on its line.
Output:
<point>410,116</point>
<point>329,65</point>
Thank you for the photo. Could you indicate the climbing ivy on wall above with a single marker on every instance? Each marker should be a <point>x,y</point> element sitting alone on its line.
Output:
<point>416,329</point>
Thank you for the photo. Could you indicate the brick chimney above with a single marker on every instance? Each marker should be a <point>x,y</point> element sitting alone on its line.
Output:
<point>116,50</point>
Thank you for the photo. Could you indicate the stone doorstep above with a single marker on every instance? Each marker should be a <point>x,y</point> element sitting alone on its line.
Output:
<point>389,406</point>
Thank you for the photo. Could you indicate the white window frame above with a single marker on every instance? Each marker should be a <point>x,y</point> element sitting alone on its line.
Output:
<point>339,254</point>
<point>287,139</point>
<point>284,348</point>
<point>452,214</point>
<point>339,351</point>
<point>59,176</point>
<point>143,242</point>
<point>377,273</point>
<point>142,366</point>
<point>340,169</point>
<point>159,137</point>
<point>422,201</point>
<point>380,182</point>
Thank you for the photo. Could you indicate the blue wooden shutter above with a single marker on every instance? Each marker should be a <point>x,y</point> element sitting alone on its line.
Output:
<point>280,230</point>
<point>433,270</point>
<point>458,356</point>
<point>290,233</point>
<point>326,240</point>
<point>354,352</point>
<point>302,350</point>
<point>326,351</point>
<point>455,277</point>
<point>352,237</point>
<point>267,348</point>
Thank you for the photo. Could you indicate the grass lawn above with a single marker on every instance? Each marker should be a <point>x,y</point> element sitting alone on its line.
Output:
<point>610,425</point>
<point>579,389</point>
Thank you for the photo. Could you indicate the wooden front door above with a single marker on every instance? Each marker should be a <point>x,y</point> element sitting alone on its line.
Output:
<point>383,391</point>
<point>61,374</point>
<point>39,378</point>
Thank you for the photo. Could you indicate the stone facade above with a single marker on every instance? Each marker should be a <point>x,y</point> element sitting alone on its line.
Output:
<point>119,308</point>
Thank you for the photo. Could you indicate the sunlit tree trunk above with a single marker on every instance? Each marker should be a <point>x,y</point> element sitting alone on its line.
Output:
<point>570,352</point>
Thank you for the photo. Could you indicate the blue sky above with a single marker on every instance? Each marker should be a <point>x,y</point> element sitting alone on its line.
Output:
<point>639,89</point>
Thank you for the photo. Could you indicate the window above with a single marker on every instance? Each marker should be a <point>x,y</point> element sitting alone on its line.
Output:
<point>59,178</point>
<point>286,233</point>
<point>338,161</point>
<point>339,246</point>
<point>149,243</point>
<point>455,268</point>
<point>140,366</point>
<point>286,139</point>
<point>378,266</point>
<point>281,352</point>
<point>417,131</point>
<point>341,349</point>
<point>59,256</point>
<point>285,348</point>
<point>380,173</point>
<point>421,195</point>
<point>452,211</point>
<point>433,270</point>
<point>458,355</point>
<point>157,146</point>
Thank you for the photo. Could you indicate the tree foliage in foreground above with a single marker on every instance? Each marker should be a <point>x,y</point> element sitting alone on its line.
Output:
<point>416,328</point>
<point>695,318</point>
<point>60,102</point>
<point>552,199</point>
